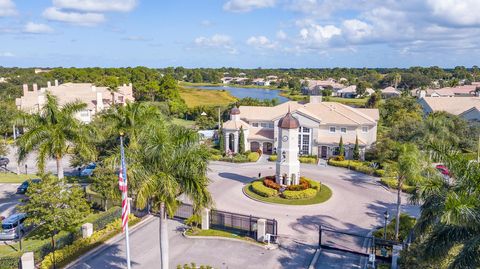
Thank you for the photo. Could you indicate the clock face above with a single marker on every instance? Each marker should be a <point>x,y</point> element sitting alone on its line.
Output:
<point>285,138</point>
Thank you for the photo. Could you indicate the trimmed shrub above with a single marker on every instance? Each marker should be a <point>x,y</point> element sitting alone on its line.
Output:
<point>339,158</point>
<point>272,158</point>
<point>358,166</point>
<point>270,178</point>
<point>379,173</point>
<point>300,187</point>
<point>313,184</point>
<point>253,156</point>
<point>262,190</point>
<point>271,184</point>
<point>392,184</point>
<point>294,195</point>
<point>310,160</point>
<point>215,157</point>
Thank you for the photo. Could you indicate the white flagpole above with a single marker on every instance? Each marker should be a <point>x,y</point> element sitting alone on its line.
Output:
<point>124,197</point>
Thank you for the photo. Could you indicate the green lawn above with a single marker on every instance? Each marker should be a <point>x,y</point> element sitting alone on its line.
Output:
<point>213,232</point>
<point>184,123</point>
<point>348,101</point>
<point>14,178</point>
<point>197,97</point>
<point>323,195</point>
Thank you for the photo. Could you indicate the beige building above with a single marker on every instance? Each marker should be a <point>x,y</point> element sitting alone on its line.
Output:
<point>96,98</point>
<point>466,107</point>
<point>321,126</point>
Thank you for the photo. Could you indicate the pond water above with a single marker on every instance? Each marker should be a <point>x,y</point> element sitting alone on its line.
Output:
<point>258,93</point>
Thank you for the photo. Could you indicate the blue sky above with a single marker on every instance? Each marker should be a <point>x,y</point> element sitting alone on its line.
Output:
<point>240,33</point>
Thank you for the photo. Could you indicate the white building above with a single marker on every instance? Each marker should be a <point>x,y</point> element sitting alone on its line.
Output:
<point>96,98</point>
<point>466,107</point>
<point>321,126</point>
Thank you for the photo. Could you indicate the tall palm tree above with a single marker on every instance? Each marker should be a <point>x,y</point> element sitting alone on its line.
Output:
<point>408,168</point>
<point>53,132</point>
<point>449,225</point>
<point>175,165</point>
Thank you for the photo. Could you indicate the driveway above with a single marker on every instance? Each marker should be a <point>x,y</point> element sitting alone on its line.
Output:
<point>8,198</point>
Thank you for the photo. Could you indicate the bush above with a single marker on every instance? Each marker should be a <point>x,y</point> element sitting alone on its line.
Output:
<point>311,160</point>
<point>194,220</point>
<point>9,262</point>
<point>270,178</point>
<point>271,184</point>
<point>300,187</point>
<point>215,157</point>
<point>339,158</point>
<point>406,225</point>
<point>313,184</point>
<point>68,253</point>
<point>262,190</point>
<point>294,195</point>
<point>379,173</point>
<point>253,156</point>
<point>272,158</point>
<point>392,184</point>
<point>358,166</point>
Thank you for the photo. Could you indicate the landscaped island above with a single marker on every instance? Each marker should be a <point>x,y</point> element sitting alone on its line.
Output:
<point>307,192</point>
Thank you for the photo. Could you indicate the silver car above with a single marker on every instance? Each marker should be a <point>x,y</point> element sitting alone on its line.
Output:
<point>13,226</point>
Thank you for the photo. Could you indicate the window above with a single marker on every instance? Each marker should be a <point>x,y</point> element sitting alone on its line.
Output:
<point>120,99</point>
<point>332,129</point>
<point>364,129</point>
<point>343,130</point>
<point>306,130</point>
<point>255,124</point>
<point>264,125</point>
<point>306,144</point>
<point>270,125</point>
<point>336,150</point>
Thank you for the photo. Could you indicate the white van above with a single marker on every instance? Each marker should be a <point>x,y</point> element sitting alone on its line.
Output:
<point>13,226</point>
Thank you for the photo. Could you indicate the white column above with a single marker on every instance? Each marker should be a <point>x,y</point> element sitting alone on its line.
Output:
<point>227,141</point>
<point>205,219</point>
<point>235,143</point>
<point>27,261</point>
<point>87,230</point>
<point>261,229</point>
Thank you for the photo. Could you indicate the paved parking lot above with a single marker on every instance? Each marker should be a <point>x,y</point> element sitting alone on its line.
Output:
<point>8,198</point>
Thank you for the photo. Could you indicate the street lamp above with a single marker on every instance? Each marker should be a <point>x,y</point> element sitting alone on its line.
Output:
<point>386,216</point>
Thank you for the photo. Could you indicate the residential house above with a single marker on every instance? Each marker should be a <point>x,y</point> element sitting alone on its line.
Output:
<point>351,92</point>
<point>390,92</point>
<point>466,107</point>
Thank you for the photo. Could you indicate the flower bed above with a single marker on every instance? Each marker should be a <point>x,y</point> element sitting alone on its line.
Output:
<point>259,188</point>
<point>303,194</point>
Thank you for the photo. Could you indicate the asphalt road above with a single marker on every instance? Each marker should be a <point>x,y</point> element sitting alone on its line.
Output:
<point>9,199</point>
<point>31,162</point>
<point>356,206</point>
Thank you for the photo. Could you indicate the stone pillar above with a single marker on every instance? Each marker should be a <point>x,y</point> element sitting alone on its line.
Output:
<point>56,83</point>
<point>87,230</point>
<point>261,229</point>
<point>27,260</point>
<point>205,219</point>
<point>226,138</point>
<point>235,142</point>
<point>396,255</point>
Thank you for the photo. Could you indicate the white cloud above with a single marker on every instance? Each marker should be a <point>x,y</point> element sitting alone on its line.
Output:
<point>319,34</point>
<point>216,41</point>
<point>261,42</point>
<point>96,5</point>
<point>281,35</point>
<point>356,30</point>
<point>6,54</point>
<point>37,28</point>
<point>84,19</point>
<point>456,12</point>
<point>7,8</point>
<point>247,5</point>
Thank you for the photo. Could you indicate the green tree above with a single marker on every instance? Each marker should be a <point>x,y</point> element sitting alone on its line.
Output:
<point>221,140</point>
<point>105,183</point>
<point>53,132</point>
<point>397,79</point>
<point>241,141</point>
<point>408,168</point>
<point>373,100</point>
<point>361,89</point>
<point>341,148</point>
<point>174,164</point>
<point>356,150</point>
<point>53,206</point>
<point>112,83</point>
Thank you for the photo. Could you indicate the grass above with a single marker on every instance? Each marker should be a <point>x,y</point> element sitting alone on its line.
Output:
<point>14,178</point>
<point>219,233</point>
<point>197,97</point>
<point>184,123</point>
<point>348,101</point>
<point>322,196</point>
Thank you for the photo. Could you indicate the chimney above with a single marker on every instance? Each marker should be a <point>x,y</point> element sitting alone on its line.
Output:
<point>99,107</point>
<point>315,99</point>
<point>56,83</point>
<point>35,87</point>
<point>25,89</point>
<point>94,89</point>
<point>49,84</point>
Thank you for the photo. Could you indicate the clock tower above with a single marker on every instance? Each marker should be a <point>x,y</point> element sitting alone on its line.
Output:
<point>288,165</point>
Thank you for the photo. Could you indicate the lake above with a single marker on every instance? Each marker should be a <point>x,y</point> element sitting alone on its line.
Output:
<point>258,93</point>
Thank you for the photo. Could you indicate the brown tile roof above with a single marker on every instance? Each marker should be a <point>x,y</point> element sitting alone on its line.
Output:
<point>260,134</point>
<point>452,105</point>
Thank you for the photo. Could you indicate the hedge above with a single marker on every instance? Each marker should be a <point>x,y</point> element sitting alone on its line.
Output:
<point>392,184</point>
<point>272,158</point>
<point>69,253</point>
<point>215,157</point>
<point>311,160</point>
<point>313,184</point>
<point>262,190</point>
<point>294,195</point>
<point>253,156</point>
<point>357,166</point>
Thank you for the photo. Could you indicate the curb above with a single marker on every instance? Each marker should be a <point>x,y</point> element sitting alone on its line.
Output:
<point>96,251</point>
<point>315,258</point>
<point>260,201</point>
<point>225,238</point>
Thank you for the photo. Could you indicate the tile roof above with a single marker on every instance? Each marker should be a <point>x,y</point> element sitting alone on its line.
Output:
<point>452,105</point>
<point>235,125</point>
<point>260,134</point>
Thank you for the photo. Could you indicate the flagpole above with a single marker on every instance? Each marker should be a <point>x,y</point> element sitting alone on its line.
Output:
<point>125,198</point>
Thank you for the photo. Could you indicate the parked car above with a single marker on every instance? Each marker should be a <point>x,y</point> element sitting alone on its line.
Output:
<point>88,170</point>
<point>22,189</point>
<point>443,169</point>
<point>4,161</point>
<point>13,226</point>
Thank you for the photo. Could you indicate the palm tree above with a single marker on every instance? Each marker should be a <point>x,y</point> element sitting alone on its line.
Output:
<point>112,84</point>
<point>53,132</point>
<point>408,168</point>
<point>175,164</point>
<point>448,229</point>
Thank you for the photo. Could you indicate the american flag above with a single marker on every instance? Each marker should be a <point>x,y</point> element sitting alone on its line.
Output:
<point>122,185</point>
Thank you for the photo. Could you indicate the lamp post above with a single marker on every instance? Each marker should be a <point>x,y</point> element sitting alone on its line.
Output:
<point>386,216</point>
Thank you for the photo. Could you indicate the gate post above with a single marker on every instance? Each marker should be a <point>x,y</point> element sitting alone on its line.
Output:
<point>395,254</point>
<point>261,229</point>
<point>205,219</point>
<point>27,261</point>
<point>319,235</point>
